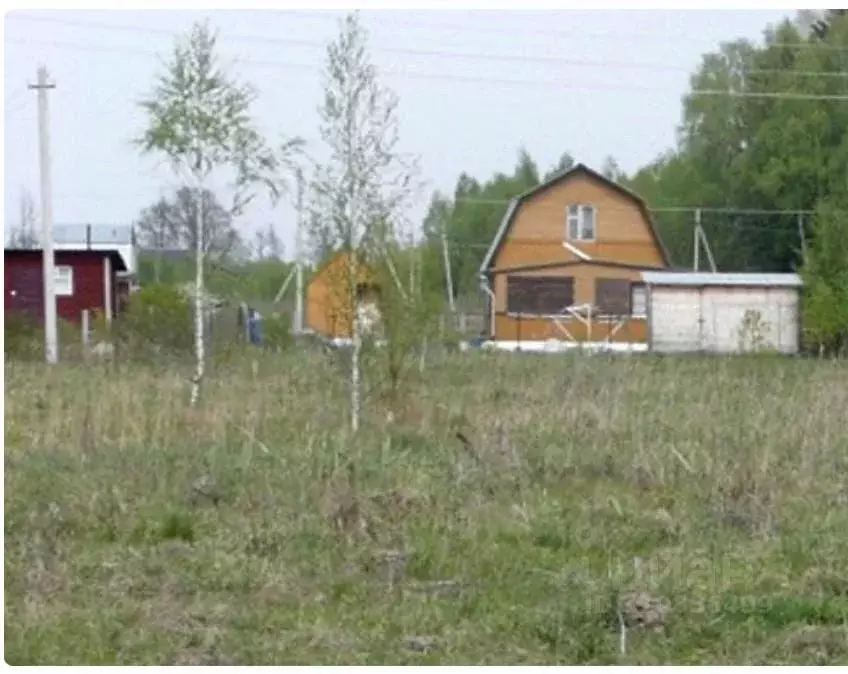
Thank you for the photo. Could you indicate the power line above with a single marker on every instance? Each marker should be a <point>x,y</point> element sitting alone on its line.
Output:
<point>578,33</point>
<point>725,210</point>
<point>562,84</point>
<point>742,211</point>
<point>516,58</point>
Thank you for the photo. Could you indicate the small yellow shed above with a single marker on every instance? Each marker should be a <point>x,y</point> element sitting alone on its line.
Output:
<point>328,298</point>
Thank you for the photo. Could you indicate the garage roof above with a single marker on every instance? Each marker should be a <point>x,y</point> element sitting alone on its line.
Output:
<point>665,278</point>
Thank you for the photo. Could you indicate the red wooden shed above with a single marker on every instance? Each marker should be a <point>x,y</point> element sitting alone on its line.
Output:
<point>85,279</point>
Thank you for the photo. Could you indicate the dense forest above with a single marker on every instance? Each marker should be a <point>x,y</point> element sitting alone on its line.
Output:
<point>762,150</point>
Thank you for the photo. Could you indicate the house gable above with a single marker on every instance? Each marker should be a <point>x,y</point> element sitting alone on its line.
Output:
<point>534,228</point>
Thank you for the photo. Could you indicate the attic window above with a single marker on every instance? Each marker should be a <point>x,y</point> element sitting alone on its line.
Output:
<point>580,219</point>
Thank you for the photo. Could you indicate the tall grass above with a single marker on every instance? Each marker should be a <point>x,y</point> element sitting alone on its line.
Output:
<point>505,511</point>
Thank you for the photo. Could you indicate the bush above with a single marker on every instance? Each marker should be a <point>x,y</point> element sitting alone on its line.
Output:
<point>158,319</point>
<point>24,338</point>
<point>276,331</point>
<point>825,276</point>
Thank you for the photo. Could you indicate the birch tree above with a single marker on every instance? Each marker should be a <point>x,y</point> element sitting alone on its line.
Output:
<point>361,192</point>
<point>199,119</point>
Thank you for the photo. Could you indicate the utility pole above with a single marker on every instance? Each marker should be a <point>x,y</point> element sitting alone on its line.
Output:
<point>51,347</point>
<point>802,236</point>
<point>696,262</point>
<point>701,240</point>
<point>298,258</point>
<point>447,264</point>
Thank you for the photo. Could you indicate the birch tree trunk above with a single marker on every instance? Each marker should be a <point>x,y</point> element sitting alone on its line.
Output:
<point>199,345</point>
<point>356,353</point>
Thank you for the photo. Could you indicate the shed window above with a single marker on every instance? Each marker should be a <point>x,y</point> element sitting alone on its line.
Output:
<point>580,221</point>
<point>539,295</point>
<point>63,281</point>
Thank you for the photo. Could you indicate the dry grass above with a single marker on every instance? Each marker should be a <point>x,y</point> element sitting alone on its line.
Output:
<point>513,510</point>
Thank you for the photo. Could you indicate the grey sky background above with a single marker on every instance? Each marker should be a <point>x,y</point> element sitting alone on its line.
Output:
<point>591,83</point>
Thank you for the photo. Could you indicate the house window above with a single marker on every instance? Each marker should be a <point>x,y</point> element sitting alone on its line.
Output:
<point>620,297</point>
<point>638,300</point>
<point>612,296</point>
<point>581,222</point>
<point>63,281</point>
<point>539,295</point>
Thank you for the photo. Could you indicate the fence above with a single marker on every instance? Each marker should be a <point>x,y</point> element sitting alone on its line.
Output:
<point>462,323</point>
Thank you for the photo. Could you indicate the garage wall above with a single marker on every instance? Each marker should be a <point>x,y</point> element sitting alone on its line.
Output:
<point>674,319</point>
<point>724,319</point>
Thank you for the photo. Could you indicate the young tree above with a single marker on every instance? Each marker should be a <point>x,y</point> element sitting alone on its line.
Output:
<point>25,235</point>
<point>360,195</point>
<point>199,118</point>
<point>172,223</point>
<point>825,275</point>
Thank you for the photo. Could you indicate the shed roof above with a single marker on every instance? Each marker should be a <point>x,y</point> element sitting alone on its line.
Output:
<point>667,278</point>
<point>118,263</point>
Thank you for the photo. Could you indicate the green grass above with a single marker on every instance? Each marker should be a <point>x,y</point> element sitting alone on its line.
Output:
<point>138,531</point>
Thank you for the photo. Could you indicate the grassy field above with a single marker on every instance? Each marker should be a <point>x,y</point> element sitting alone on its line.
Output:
<point>510,510</point>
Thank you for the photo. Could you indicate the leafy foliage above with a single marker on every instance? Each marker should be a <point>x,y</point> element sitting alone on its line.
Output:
<point>276,331</point>
<point>360,196</point>
<point>408,317</point>
<point>826,279</point>
<point>157,321</point>
<point>471,218</point>
<point>22,336</point>
<point>199,117</point>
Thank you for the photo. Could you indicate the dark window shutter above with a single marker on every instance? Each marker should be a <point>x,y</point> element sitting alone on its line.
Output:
<point>612,296</point>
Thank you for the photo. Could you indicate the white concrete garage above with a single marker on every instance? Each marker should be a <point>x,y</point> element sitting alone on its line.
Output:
<point>723,313</point>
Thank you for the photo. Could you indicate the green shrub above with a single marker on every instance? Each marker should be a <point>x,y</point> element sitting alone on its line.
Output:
<point>158,319</point>
<point>276,331</point>
<point>24,338</point>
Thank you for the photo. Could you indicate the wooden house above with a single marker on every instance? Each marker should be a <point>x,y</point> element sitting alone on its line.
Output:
<point>566,264</point>
<point>84,279</point>
<point>328,298</point>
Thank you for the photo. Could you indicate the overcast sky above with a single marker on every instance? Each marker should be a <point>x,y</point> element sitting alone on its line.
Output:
<point>590,83</point>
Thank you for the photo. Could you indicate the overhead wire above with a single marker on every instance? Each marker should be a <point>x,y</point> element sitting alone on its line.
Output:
<point>514,30</point>
<point>442,76</point>
<point>437,53</point>
<point>562,84</point>
<point>780,95</point>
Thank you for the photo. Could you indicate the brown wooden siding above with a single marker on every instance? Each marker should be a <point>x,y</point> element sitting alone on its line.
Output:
<point>511,328</point>
<point>584,274</point>
<point>539,227</point>
<point>612,296</point>
<point>328,307</point>
<point>539,295</point>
